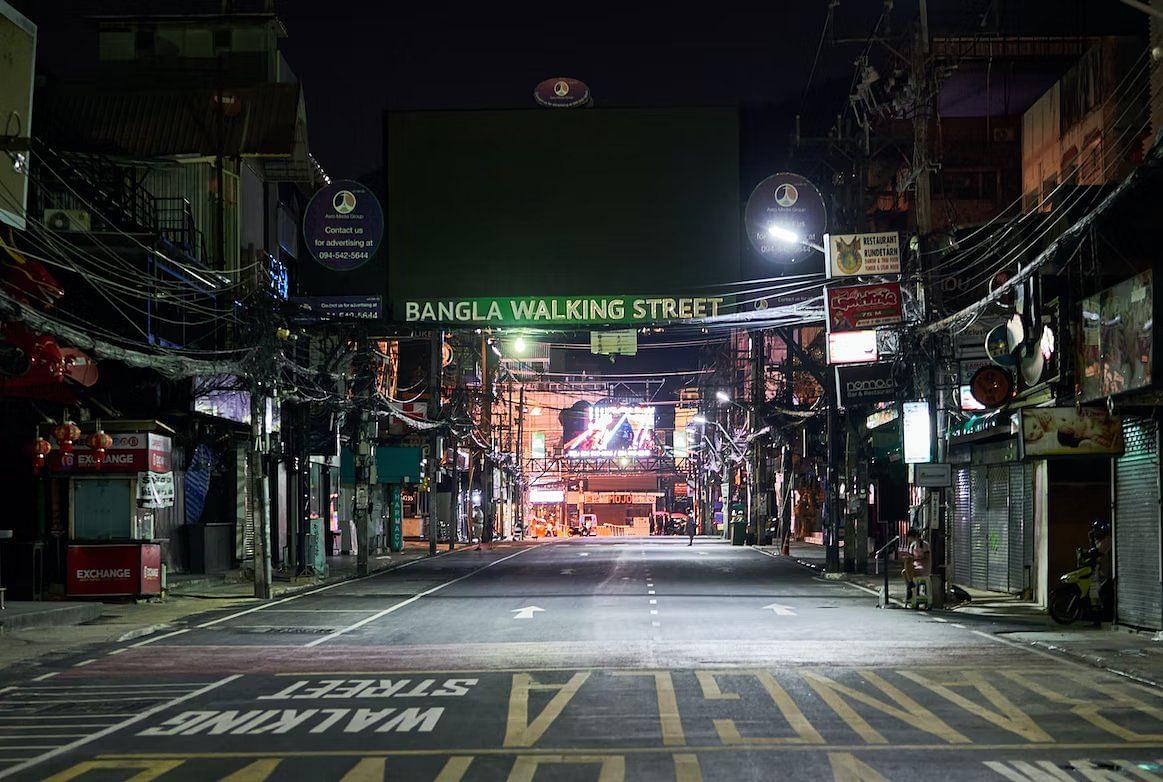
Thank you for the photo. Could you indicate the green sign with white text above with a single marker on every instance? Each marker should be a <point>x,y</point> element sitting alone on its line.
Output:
<point>564,310</point>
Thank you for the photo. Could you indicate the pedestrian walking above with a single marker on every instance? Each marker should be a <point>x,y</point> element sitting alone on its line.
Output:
<point>487,532</point>
<point>690,529</point>
<point>478,526</point>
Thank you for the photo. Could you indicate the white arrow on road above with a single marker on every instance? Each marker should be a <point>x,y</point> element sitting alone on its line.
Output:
<point>780,610</point>
<point>567,572</point>
<point>526,612</point>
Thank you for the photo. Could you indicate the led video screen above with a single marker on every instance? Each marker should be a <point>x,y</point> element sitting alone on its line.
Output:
<point>611,430</point>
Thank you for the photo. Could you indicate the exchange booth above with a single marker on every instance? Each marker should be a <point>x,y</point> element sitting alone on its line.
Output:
<point>112,500</point>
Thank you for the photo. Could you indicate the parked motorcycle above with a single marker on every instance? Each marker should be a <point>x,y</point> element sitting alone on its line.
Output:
<point>1070,600</point>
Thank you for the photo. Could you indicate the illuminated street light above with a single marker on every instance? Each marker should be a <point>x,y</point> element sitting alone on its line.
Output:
<point>698,419</point>
<point>519,344</point>
<point>791,237</point>
<point>722,396</point>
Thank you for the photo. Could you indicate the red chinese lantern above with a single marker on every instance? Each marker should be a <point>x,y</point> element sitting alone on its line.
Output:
<point>66,433</point>
<point>40,449</point>
<point>98,442</point>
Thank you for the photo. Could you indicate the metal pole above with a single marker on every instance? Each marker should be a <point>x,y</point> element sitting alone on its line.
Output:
<point>453,495</point>
<point>258,488</point>
<point>435,378</point>
<point>487,431</point>
<point>521,462</point>
<point>832,499</point>
<point>364,455</point>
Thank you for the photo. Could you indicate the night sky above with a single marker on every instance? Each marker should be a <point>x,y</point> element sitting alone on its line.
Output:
<point>357,59</point>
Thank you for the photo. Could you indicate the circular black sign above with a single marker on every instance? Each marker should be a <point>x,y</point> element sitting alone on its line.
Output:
<point>562,93</point>
<point>785,215</point>
<point>343,225</point>
<point>991,386</point>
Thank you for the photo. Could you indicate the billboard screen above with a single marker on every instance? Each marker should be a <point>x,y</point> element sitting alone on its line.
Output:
<point>611,430</point>
<point>558,203</point>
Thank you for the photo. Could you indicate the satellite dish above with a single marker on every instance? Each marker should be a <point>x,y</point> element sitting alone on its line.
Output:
<point>998,347</point>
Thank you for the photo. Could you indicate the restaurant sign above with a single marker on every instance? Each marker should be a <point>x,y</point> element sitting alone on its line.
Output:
<point>851,255</point>
<point>564,310</point>
<point>862,384</point>
<point>856,307</point>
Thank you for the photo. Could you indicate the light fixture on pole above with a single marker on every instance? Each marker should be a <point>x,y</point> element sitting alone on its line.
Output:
<point>722,396</point>
<point>789,236</point>
<point>519,344</point>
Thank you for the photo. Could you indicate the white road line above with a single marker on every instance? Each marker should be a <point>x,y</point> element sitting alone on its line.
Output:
<point>653,602</point>
<point>44,676</point>
<point>83,663</point>
<point>650,592</point>
<point>132,685</point>
<point>656,624</point>
<point>938,619</point>
<point>653,611</point>
<point>118,696</point>
<point>65,748</point>
<point>63,717</point>
<point>308,593</point>
<point>153,638</point>
<point>409,601</point>
<point>959,627</point>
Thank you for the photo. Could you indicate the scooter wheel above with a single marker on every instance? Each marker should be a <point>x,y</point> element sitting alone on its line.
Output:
<point>1065,604</point>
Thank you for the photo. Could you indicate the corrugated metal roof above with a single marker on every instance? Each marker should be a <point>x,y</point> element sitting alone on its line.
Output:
<point>257,120</point>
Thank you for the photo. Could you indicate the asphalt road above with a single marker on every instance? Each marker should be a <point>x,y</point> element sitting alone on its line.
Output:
<point>586,659</point>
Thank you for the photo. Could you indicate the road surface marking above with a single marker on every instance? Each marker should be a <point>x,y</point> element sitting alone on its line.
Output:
<point>710,687</point>
<point>938,619</point>
<point>569,572</point>
<point>454,770</point>
<point>650,592</point>
<point>526,612</point>
<point>408,601</point>
<point>64,748</point>
<point>779,610</point>
<point>656,624</point>
<point>806,733</point>
<point>653,611</point>
<point>653,602</point>
<point>83,663</point>
<point>612,768</point>
<point>149,769</point>
<point>906,709</point>
<point>959,627</point>
<point>44,676</point>
<point>164,636</point>
<point>259,771</point>
<point>668,716</point>
<point>519,732</point>
<point>1007,717</point>
<point>584,554</point>
<point>846,768</point>
<point>686,768</point>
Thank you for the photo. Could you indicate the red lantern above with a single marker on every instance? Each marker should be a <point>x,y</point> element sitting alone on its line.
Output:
<point>98,442</point>
<point>66,433</point>
<point>40,449</point>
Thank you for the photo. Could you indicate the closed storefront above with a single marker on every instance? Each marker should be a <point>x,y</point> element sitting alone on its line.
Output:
<point>993,523</point>
<point>1136,527</point>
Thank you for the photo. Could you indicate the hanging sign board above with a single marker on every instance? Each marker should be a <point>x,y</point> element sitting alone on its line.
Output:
<point>853,255</point>
<point>1070,431</point>
<point>564,310</point>
<point>917,432</point>
<point>623,342</point>
<point>852,347</point>
<point>343,225</point>
<point>864,384</point>
<point>790,203</point>
<point>933,476</point>
<point>562,93</point>
<point>857,307</point>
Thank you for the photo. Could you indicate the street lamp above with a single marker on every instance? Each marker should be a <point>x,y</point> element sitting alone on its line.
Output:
<point>791,237</point>
<point>698,419</point>
<point>722,396</point>
<point>519,344</point>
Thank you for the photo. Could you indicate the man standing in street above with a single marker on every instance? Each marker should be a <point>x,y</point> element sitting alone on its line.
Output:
<point>690,529</point>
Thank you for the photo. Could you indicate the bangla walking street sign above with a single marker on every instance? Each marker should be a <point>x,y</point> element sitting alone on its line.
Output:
<point>564,310</point>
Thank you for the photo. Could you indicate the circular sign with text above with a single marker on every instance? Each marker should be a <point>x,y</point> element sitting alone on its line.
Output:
<point>562,93</point>
<point>785,215</point>
<point>991,386</point>
<point>343,225</point>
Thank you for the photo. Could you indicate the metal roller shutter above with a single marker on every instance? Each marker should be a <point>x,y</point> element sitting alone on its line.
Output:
<point>979,529</point>
<point>1020,492</point>
<point>997,578</point>
<point>1137,543</point>
<point>962,529</point>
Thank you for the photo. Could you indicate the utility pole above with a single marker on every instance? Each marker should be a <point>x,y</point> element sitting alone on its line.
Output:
<point>785,509</point>
<point>832,498</point>
<point>757,472</point>
<point>487,431</point>
<point>521,462</point>
<point>923,88</point>
<point>257,457</point>
<point>434,390</point>
<point>364,463</point>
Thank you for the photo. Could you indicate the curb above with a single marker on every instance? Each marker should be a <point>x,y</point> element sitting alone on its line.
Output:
<point>60,616</point>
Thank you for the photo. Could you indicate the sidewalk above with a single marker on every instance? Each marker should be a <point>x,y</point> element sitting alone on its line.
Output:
<point>1123,651</point>
<point>24,649</point>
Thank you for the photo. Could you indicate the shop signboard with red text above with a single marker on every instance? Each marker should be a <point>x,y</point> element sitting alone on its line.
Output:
<point>856,307</point>
<point>131,452</point>
<point>113,570</point>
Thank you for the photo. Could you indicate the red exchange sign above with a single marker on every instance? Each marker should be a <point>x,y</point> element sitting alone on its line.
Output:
<point>856,307</point>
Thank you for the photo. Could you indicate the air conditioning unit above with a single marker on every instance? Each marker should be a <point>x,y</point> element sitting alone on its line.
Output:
<point>73,220</point>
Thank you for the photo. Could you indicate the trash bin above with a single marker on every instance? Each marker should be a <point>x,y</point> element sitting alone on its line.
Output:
<point>738,533</point>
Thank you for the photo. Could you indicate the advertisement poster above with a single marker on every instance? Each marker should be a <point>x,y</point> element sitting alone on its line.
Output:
<point>1069,431</point>
<point>865,384</point>
<point>856,307</point>
<point>114,570</point>
<point>611,430</point>
<point>343,225</point>
<point>851,255</point>
<point>917,433</point>
<point>1117,348</point>
<point>537,445</point>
